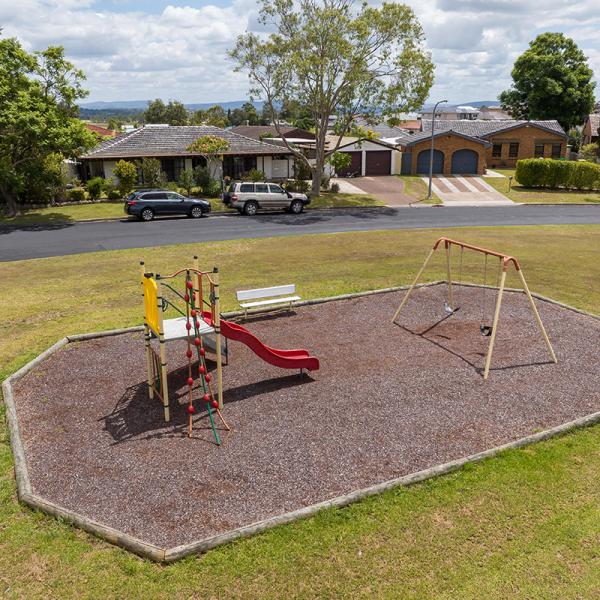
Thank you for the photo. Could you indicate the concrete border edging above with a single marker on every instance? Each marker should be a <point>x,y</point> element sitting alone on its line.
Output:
<point>167,555</point>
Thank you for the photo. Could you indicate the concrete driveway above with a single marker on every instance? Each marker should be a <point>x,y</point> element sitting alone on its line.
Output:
<point>467,190</point>
<point>387,188</point>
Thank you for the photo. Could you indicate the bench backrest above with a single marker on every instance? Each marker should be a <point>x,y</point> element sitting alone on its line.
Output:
<point>270,292</point>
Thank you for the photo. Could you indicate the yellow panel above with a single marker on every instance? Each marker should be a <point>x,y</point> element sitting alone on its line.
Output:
<point>151,304</point>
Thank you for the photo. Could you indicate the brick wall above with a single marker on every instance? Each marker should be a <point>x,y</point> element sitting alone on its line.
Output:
<point>527,137</point>
<point>448,144</point>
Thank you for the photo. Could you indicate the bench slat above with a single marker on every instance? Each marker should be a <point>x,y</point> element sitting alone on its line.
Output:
<point>278,290</point>
<point>272,301</point>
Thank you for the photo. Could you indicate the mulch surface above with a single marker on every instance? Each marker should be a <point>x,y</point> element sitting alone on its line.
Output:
<point>388,400</point>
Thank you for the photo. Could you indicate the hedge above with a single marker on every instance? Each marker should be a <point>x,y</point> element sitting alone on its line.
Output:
<point>553,174</point>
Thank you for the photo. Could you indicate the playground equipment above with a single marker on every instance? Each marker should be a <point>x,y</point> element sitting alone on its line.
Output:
<point>190,326</point>
<point>449,306</point>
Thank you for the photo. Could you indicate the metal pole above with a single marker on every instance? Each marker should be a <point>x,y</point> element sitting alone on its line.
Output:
<point>429,194</point>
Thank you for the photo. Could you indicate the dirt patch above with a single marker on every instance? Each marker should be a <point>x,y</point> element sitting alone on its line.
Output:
<point>388,400</point>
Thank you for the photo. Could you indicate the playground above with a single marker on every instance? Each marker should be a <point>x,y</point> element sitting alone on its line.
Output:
<point>388,400</point>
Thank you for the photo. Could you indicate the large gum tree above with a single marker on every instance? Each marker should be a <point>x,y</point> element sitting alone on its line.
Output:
<point>337,59</point>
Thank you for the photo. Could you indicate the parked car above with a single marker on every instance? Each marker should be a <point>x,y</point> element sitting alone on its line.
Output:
<point>146,204</point>
<point>248,198</point>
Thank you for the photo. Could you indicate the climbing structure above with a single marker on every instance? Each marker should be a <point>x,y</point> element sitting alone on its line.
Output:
<point>189,326</point>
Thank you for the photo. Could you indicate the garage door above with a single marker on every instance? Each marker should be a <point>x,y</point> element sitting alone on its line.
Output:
<point>464,162</point>
<point>355,165</point>
<point>378,162</point>
<point>423,162</point>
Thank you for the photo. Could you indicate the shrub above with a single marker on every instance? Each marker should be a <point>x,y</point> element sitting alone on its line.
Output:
<point>186,180</point>
<point>126,173</point>
<point>589,152</point>
<point>152,174</point>
<point>113,194</point>
<point>298,185</point>
<point>202,176</point>
<point>256,175</point>
<point>340,161</point>
<point>95,187</point>
<point>335,188</point>
<point>213,189</point>
<point>76,195</point>
<point>553,174</point>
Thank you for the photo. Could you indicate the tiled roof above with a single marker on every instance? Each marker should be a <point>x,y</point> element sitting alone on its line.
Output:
<point>166,140</point>
<point>594,120</point>
<point>477,128</point>
<point>409,140</point>
<point>381,129</point>
<point>258,131</point>
<point>103,131</point>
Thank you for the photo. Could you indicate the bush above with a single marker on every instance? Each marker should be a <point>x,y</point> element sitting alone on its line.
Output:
<point>553,174</point>
<point>126,173</point>
<point>113,194</point>
<point>335,188</point>
<point>256,175</point>
<point>298,185</point>
<point>213,189</point>
<point>76,195</point>
<point>95,187</point>
<point>186,180</point>
<point>202,176</point>
<point>152,174</point>
<point>589,152</point>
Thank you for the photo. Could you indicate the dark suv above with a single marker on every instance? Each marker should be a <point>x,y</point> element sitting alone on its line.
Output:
<point>146,204</point>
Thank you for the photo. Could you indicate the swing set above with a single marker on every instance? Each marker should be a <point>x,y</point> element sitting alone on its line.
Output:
<point>504,262</point>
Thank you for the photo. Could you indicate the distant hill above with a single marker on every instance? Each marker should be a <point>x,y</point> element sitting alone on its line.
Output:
<point>140,105</point>
<point>474,104</point>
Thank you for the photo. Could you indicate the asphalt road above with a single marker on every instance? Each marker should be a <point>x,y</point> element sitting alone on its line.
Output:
<point>60,239</point>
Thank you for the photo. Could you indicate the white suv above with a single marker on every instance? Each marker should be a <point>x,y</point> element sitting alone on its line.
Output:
<point>249,197</point>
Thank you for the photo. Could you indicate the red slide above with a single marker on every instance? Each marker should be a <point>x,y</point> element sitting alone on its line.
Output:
<point>286,359</point>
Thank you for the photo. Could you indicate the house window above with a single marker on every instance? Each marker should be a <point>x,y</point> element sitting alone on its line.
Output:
<point>497,150</point>
<point>556,151</point>
<point>513,150</point>
<point>539,151</point>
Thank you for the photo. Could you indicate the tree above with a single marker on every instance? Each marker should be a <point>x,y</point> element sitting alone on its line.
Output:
<point>38,120</point>
<point>245,115</point>
<point>216,116</point>
<point>173,113</point>
<point>152,174</point>
<point>551,80</point>
<point>186,180</point>
<point>211,148</point>
<point>126,173</point>
<point>575,138</point>
<point>336,58</point>
<point>340,161</point>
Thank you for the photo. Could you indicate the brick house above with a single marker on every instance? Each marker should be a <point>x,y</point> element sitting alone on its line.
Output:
<point>591,128</point>
<point>169,144</point>
<point>469,147</point>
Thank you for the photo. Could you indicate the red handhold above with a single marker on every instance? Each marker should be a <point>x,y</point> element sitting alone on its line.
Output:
<point>190,381</point>
<point>206,398</point>
<point>186,298</point>
<point>197,341</point>
<point>189,354</point>
<point>202,351</point>
<point>189,285</point>
<point>193,313</point>
<point>191,409</point>
<point>207,377</point>
<point>188,325</point>
<point>214,404</point>
<point>202,369</point>
<point>197,324</point>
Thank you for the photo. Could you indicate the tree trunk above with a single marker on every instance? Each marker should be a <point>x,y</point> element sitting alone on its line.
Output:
<point>12,209</point>
<point>317,175</point>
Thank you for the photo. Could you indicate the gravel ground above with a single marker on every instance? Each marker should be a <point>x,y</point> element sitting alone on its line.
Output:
<point>389,400</point>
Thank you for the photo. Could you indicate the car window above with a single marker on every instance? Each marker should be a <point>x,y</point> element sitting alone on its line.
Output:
<point>247,187</point>
<point>174,196</point>
<point>276,189</point>
<point>153,196</point>
<point>262,188</point>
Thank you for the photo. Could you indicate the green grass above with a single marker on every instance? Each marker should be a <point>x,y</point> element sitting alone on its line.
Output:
<point>518,193</point>
<point>415,186</point>
<point>524,525</point>
<point>114,210</point>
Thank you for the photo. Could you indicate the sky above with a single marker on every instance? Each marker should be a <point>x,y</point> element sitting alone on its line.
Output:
<point>143,49</point>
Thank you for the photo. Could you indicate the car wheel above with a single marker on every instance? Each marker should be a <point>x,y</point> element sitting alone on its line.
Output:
<point>196,212</point>
<point>296,207</point>
<point>250,208</point>
<point>147,214</point>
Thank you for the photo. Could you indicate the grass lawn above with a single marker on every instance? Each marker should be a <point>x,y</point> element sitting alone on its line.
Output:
<point>524,525</point>
<point>415,186</point>
<point>518,193</point>
<point>114,210</point>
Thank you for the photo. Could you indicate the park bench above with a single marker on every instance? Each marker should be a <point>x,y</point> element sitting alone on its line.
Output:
<point>271,296</point>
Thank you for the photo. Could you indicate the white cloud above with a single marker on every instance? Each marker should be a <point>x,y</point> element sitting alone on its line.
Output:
<point>181,52</point>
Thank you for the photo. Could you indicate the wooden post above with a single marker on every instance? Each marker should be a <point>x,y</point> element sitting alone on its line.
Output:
<point>197,276</point>
<point>537,316</point>
<point>410,289</point>
<point>163,353</point>
<point>449,277</point>
<point>217,328</point>
<point>147,338</point>
<point>488,358</point>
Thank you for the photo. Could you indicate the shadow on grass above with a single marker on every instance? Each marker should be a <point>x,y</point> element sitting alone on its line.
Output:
<point>36,222</point>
